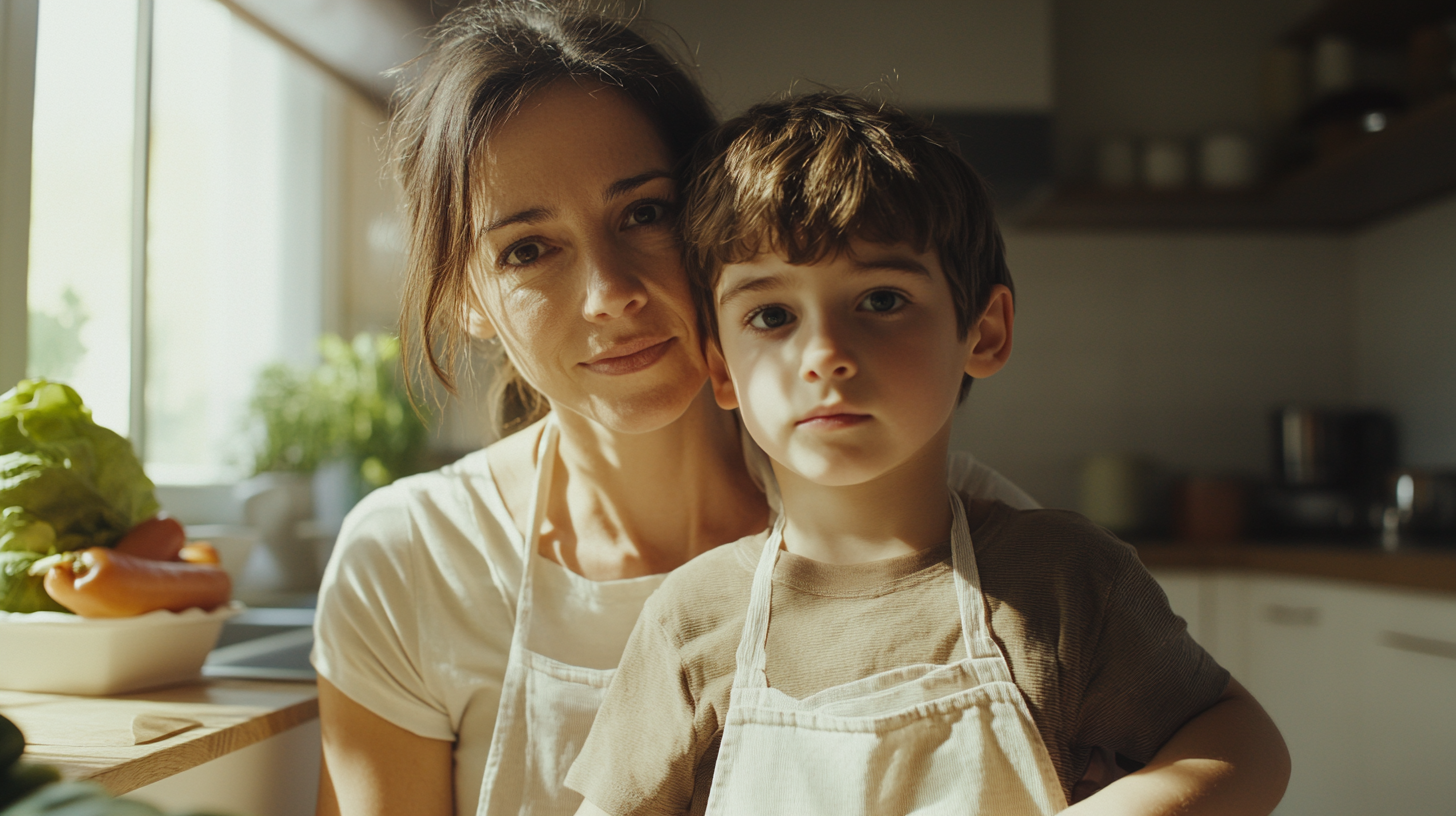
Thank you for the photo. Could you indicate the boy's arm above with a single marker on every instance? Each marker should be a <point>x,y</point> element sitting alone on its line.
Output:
<point>1230,761</point>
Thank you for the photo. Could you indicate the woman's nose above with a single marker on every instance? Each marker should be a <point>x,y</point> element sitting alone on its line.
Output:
<point>827,357</point>
<point>613,285</point>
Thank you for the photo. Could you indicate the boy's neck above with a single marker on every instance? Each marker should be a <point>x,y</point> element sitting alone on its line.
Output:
<point>901,512</point>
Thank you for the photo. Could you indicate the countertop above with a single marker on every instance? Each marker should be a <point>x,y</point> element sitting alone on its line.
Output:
<point>1426,569</point>
<point>95,738</point>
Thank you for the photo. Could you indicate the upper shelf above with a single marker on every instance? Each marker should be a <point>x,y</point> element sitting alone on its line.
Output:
<point>1408,163</point>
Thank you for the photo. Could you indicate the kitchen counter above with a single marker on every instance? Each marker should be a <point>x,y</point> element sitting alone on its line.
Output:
<point>132,740</point>
<point>1427,569</point>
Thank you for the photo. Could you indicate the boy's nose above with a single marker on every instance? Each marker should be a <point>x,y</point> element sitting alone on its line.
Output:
<point>613,287</point>
<point>826,359</point>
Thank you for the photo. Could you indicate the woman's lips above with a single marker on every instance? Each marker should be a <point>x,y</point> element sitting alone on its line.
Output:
<point>634,359</point>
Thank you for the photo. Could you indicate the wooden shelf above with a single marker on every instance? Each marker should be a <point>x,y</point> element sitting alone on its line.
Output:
<point>1407,164</point>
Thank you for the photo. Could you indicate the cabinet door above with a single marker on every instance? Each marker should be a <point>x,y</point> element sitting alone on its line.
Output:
<point>1408,738</point>
<point>1300,669</point>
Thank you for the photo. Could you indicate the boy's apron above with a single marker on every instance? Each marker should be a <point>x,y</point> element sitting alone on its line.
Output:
<point>546,706</point>
<point>919,739</point>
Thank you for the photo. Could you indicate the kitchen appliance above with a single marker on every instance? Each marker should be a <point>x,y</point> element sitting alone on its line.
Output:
<point>1330,468</point>
<point>1420,509</point>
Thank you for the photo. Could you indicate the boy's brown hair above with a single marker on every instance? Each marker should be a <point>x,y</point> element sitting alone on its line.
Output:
<point>801,177</point>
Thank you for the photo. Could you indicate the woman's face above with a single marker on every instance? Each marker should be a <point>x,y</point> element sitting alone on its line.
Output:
<point>578,269</point>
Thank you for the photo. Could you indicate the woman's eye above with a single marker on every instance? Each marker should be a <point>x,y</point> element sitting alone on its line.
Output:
<point>523,254</point>
<point>649,212</point>
<point>770,317</point>
<point>882,301</point>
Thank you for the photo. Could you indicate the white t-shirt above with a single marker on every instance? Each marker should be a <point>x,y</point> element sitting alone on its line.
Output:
<point>416,608</point>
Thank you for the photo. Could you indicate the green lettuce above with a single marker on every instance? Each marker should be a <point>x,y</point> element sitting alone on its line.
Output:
<point>19,590</point>
<point>60,470</point>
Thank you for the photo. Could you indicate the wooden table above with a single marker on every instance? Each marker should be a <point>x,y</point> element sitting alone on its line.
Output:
<point>95,738</point>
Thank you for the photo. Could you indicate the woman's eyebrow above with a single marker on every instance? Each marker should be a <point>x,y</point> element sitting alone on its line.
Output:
<point>627,185</point>
<point>531,216</point>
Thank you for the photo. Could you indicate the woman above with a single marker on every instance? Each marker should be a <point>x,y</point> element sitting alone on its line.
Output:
<point>471,617</point>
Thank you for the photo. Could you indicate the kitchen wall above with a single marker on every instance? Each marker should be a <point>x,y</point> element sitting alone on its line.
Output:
<point>928,54</point>
<point>1405,327</point>
<point>1172,346</point>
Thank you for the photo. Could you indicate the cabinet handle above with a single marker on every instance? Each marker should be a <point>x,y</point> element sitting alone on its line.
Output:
<point>1292,615</point>
<point>1419,645</point>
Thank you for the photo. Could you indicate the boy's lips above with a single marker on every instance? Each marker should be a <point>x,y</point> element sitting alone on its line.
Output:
<point>629,356</point>
<point>832,416</point>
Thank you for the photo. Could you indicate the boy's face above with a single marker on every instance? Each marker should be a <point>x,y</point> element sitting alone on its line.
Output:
<point>845,368</point>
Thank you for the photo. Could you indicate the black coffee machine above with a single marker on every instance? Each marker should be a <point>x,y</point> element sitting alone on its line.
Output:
<point>1330,472</point>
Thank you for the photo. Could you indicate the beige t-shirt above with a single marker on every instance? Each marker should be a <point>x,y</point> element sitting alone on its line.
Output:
<point>1088,634</point>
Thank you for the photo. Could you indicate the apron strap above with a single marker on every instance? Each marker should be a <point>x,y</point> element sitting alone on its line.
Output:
<point>752,655</point>
<point>531,541</point>
<point>975,627</point>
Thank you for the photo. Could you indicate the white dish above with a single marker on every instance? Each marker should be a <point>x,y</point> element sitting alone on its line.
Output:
<point>234,544</point>
<point>58,653</point>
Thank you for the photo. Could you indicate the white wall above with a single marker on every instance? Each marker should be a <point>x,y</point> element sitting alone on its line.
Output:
<point>944,54</point>
<point>1405,299</point>
<point>1173,346</point>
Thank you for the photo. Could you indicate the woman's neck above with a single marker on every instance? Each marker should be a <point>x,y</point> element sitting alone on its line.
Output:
<point>624,505</point>
<point>900,512</point>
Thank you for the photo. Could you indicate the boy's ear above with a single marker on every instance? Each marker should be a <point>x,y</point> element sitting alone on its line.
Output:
<point>723,392</point>
<point>990,335</point>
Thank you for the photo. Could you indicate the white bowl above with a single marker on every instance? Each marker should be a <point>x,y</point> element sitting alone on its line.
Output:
<point>234,544</point>
<point>58,653</point>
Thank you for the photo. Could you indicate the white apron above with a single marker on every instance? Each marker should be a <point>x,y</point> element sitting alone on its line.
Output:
<point>546,706</point>
<point>929,739</point>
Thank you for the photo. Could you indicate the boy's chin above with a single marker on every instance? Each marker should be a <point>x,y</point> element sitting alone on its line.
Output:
<point>832,471</point>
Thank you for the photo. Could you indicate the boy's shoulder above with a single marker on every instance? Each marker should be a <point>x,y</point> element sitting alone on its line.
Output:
<point>1056,567</point>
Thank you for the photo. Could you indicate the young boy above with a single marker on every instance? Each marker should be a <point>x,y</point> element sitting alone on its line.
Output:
<point>889,647</point>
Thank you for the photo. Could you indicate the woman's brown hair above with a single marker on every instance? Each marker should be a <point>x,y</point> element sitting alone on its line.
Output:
<point>483,60</point>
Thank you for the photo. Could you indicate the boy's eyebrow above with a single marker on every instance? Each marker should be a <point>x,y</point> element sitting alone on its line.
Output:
<point>758,284</point>
<point>537,214</point>
<point>896,263</point>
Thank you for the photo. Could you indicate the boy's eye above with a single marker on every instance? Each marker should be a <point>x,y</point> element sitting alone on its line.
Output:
<point>523,254</point>
<point>770,317</point>
<point>647,212</point>
<point>882,301</point>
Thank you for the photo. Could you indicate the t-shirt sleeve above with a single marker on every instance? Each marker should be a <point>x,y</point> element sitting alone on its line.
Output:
<point>643,749</point>
<point>975,480</point>
<point>1148,676</point>
<point>366,630</point>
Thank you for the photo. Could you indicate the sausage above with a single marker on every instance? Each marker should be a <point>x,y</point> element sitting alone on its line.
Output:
<point>159,538</point>
<point>102,583</point>
<point>200,552</point>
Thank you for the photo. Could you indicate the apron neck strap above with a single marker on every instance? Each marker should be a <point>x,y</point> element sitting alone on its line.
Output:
<point>752,656</point>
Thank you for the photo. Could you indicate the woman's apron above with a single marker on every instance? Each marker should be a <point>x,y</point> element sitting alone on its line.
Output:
<point>919,739</point>
<point>546,706</point>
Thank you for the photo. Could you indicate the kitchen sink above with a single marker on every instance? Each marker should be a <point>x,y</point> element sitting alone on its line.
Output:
<point>264,644</point>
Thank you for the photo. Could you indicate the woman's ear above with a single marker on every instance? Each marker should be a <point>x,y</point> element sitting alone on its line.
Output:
<point>477,325</point>
<point>990,335</point>
<point>723,391</point>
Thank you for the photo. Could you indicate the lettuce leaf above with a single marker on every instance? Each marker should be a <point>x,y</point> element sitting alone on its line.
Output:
<point>19,590</point>
<point>62,470</point>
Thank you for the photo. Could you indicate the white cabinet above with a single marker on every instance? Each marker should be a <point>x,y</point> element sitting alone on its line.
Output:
<point>1408,734</point>
<point>1360,680</point>
<point>1301,665</point>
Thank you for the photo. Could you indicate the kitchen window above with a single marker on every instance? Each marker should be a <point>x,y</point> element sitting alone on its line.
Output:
<point>161,279</point>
